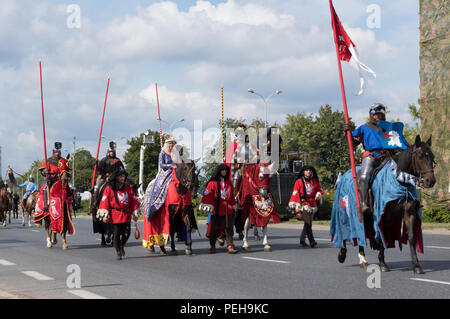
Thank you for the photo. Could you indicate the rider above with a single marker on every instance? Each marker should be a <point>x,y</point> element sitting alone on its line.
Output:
<point>31,187</point>
<point>107,165</point>
<point>305,195</point>
<point>368,136</point>
<point>117,206</point>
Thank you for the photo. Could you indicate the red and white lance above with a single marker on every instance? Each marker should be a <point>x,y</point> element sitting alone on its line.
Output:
<point>345,50</point>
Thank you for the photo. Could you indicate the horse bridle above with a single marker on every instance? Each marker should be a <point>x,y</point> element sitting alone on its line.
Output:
<point>419,173</point>
<point>183,177</point>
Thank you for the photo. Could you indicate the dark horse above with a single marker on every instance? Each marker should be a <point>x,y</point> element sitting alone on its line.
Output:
<point>181,217</point>
<point>4,203</point>
<point>417,160</point>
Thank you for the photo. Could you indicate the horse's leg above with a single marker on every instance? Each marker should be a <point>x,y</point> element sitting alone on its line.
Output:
<point>188,242</point>
<point>362,257</point>
<point>383,265</point>
<point>54,240</point>
<point>410,219</point>
<point>4,218</point>
<point>255,234</point>
<point>342,253</point>
<point>29,219</point>
<point>64,242</point>
<point>265,242</point>
<point>23,216</point>
<point>173,221</point>
<point>48,231</point>
<point>245,239</point>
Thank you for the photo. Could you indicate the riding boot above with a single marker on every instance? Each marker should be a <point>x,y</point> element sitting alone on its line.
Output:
<point>364,175</point>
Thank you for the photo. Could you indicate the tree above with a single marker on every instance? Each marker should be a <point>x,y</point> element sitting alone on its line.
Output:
<point>322,138</point>
<point>151,154</point>
<point>84,168</point>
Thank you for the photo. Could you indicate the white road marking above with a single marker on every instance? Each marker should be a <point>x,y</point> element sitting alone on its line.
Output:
<point>437,247</point>
<point>269,260</point>
<point>36,275</point>
<point>6,263</point>
<point>36,231</point>
<point>85,294</point>
<point>432,281</point>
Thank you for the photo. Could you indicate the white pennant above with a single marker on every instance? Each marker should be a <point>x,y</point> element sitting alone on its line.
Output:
<point>361,66</point>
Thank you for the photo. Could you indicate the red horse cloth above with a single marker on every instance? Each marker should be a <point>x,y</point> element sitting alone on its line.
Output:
<point>59,208</point>
<point>250,198</point>
<point>157,230</point>
<point>121,210</point>
<point>306,197</point>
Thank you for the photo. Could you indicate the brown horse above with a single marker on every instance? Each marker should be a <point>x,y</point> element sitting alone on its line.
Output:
<point>4,204</point>
<point>30,205</point>
<point>67,225</point>
<point>417,160</point>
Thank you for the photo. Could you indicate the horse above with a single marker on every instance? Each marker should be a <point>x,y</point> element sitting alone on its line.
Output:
<point>56,220</point>
<point>177,210</point>
<point>105,229</point>
<point>257,203</point>
<point>4,203</point>
<point>416,163</point>
<point>30,205</point>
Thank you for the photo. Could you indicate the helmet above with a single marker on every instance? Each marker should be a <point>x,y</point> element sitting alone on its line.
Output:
<point>31,177</point>
<point>58,146</point>
<point>112,147</point>
<point>377,108</point>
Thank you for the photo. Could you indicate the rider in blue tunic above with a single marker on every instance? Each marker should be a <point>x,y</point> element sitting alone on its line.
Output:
<point>368,135</point>
<point>30,188</point>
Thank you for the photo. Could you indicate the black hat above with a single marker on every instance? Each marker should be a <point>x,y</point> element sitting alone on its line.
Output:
<point>305,168</point>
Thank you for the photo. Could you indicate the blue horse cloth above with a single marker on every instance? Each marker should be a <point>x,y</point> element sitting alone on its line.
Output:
<point>344,218</point>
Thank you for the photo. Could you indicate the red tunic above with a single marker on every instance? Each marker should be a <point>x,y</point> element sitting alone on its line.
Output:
<point>307,197</point>
<point>121,211</point>
<point>227,200</point>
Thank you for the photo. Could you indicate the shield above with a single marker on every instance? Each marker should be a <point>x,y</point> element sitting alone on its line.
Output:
<point>263,206</point>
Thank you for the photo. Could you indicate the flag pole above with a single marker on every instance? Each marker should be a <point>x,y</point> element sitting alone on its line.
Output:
<point>159,116</point>
<point>43,120</point>
<point>347,121</point>
<point>100,136</point>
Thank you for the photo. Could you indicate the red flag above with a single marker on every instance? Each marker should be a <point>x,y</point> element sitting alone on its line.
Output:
<point>346,47</point>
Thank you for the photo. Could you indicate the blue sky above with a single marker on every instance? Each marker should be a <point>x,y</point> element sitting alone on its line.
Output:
<point>190,48</point>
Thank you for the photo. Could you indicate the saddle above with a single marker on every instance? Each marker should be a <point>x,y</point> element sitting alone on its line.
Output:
<point>380,161</point>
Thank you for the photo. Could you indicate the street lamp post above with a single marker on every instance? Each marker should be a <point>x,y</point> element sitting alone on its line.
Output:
<point>147,139</point>
<point>173,123</point>
<point>266,100</point>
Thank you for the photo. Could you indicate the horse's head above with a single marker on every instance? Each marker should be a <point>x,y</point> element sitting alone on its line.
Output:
<point>422,162</point>
<point>188,176</point>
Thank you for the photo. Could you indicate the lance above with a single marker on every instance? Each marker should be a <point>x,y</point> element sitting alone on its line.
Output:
<point>43,120</point>
<point>100,136</point>
<point>347,121</point>
<point>223,133</point>
<point>223,154</point>
<point>159,116</point>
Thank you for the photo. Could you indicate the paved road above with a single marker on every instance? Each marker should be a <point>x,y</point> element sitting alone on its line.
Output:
<point>29,269</point>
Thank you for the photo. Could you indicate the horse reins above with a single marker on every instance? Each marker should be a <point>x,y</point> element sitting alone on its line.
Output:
<point>415,168</point>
